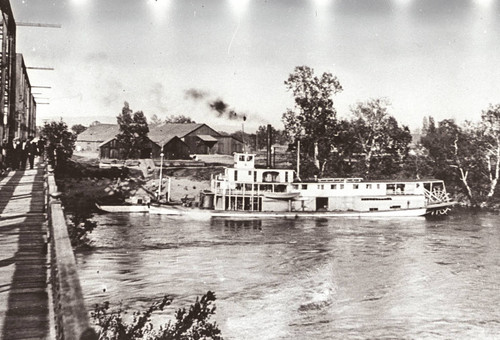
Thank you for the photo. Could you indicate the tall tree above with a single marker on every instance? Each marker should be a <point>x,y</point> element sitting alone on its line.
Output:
<point>490,126</point>
<point>313,120</point>
<point>456,157</point>
<point>382,143</point>
<point>133,131</point>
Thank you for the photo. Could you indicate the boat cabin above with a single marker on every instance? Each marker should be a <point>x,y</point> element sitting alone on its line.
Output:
<point>243,187</point>
<point>246,188</point>
<point>344,194</point>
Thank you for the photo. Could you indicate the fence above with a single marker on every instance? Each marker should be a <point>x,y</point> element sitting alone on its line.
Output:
<point>72,321</point>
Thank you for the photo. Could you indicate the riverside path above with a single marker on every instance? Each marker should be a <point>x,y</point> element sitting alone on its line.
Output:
<point>24,292</point>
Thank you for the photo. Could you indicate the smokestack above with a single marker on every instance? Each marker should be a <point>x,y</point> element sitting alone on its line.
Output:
<point>269,144</point>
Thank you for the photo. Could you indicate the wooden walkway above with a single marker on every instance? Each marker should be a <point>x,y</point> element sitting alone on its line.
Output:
<point>24,261</point>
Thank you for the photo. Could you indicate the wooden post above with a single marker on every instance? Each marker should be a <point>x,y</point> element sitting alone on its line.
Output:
<point>298,159</point>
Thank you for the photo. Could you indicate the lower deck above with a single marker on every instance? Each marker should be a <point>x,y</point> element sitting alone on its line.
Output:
<point>319,203</point>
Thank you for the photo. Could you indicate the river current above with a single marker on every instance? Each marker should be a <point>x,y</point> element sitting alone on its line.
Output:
<point>405,278</point>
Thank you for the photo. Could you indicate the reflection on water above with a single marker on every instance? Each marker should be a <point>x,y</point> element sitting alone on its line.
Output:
<point>308,279</point>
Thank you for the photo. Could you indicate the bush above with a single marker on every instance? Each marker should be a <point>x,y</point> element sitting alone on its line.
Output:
<point>60,143</point>
<point>192,324</point>
<point>79,227</point>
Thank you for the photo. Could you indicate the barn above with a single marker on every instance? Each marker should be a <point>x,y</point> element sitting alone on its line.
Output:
<point>90,140</point>
<point>200,138</point>
<point>227,145</point>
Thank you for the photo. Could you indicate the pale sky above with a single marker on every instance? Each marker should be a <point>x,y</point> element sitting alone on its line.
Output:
<point>428,57</point>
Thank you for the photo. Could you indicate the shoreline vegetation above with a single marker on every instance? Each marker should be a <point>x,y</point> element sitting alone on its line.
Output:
<point>83,183</point>
<point>370,143</point>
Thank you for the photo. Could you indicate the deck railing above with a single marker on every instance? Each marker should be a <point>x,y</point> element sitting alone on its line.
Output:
<point>71,317</point>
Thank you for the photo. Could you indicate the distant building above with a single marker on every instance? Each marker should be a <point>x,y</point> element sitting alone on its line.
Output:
<point>90,140</point>
<point>228,145</point>
<point>178,141</point>
<point>172,149</point>
<point>111,148</point>
<point>200,138</point>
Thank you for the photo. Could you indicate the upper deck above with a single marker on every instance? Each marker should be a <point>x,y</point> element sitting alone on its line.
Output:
<point>243,177</point>
<point>358,187</point>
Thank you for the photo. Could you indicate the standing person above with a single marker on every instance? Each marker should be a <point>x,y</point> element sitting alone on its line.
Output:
<point>41,149</point>
<point>31,151</point>
<point>23,154</point>
<point>17,154</point>
<point>8,153</point>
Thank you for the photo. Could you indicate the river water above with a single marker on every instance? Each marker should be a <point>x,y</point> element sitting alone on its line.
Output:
<point>307,279</point>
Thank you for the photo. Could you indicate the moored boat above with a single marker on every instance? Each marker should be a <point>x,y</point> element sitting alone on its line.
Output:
<point>244,190</point>
<point>123,208</point>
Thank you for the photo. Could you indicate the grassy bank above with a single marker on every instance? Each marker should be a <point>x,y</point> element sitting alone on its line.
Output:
<point>83,183</point>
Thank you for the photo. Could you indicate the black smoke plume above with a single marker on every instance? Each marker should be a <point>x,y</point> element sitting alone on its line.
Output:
<point>224,111</point>
<point>195,94</point>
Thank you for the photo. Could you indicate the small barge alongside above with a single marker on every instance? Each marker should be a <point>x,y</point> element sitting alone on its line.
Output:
<point>244,191</point>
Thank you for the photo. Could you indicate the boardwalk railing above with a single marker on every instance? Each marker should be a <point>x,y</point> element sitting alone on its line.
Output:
<point>72,321</point>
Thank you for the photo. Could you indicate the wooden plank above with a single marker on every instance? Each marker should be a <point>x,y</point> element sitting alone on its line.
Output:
<point>24,301</point>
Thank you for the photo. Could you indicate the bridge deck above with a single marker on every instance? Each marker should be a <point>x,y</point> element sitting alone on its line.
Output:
<point>24,292</point>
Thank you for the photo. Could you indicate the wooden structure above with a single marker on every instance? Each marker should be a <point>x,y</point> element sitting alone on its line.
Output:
<point>41,295</point>
<point>228,145</point>
<point>90,139</point>
<point>200,138</point>
<point>71,317</point>
<point>24,124</point>
<point>112,149</point>
<point>174,148</point>
<point>7,71</point>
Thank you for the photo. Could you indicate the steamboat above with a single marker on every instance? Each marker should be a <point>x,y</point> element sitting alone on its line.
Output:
<point>244,190</point>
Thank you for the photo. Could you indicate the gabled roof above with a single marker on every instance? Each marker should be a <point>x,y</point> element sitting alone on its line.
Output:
<point>207,138</point>
<point>99,133</point>
<point>230,136</point>
<point>161,134</point>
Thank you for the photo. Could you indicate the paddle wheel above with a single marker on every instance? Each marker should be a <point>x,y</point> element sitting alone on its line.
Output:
<point>439,202</point>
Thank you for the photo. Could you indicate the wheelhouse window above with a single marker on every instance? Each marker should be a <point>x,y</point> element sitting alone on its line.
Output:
<point>341,186</point>
<point>368,186</point>
<point>270,176</point>
<point>355,186</point>
<point>333,186</point>
<point>321,186</point>
<point>304,187</point>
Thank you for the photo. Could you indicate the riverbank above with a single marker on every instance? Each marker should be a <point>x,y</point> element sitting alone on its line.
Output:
<point>83,183</point>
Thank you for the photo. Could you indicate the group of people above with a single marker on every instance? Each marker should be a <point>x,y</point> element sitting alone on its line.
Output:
<point>17,154</point>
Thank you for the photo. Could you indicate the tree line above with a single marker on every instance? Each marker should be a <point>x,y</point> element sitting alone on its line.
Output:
<point>370,143</point>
